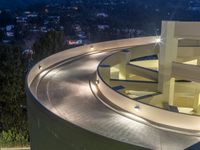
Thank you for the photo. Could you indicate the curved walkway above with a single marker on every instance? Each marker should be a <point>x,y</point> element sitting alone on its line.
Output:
<point>66,92</point>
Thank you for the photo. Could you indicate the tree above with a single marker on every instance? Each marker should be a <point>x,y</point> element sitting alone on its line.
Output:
<point>50,43</point>
<point>1,35</point>
<point>6,18</point>
<point>12,96</point>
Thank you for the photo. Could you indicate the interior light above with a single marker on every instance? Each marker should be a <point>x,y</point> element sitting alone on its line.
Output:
<point>137,108</point>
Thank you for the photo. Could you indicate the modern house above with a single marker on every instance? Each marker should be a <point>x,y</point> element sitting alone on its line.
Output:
<point>137,93</point>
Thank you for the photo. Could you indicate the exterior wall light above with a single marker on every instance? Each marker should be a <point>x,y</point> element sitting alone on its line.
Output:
<point>40,67</point>
<point>91,47</point>
<point>97,81</point>
<point>158,40</point>
<point>137,108</point>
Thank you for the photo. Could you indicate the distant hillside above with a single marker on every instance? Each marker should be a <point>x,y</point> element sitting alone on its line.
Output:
<point>13,4</point>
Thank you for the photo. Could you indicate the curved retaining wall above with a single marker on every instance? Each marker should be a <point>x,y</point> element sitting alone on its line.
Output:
<point>154,114</point>
<point>47,130</point>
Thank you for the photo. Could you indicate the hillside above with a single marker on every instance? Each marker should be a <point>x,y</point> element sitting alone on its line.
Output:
<point>14,4</point>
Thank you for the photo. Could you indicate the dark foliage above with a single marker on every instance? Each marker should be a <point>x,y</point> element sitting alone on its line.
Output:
<point>13,117</point>
<point>48,44</point>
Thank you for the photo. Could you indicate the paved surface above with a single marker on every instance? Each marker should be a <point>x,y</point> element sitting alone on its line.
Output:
<point>66,92</point>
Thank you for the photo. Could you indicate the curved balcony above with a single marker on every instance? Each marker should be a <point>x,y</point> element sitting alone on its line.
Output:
<point>63,112</point>
<point>129,80</point>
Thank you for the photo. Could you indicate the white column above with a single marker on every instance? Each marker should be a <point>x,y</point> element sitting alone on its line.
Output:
<point>171,91</point>
<point>167,54</point>
<point>105,72</point>
<point>196,104</point>
<point>198,61</point>
<point>124,60</point>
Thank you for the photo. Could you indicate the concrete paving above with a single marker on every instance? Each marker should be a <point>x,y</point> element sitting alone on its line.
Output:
<point>66,92</point>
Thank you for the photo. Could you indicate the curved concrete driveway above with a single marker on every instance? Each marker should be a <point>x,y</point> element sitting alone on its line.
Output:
<point>66,92</point>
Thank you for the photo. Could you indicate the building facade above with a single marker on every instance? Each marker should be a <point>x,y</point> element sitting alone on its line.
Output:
<point>119,94</point>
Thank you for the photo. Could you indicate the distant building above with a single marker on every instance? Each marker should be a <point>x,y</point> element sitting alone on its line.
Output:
<point>77,28</point>
<point>9,34</point>
<point>9,27</point>
<point>27,12</point>
<point>103,27</point>
<point>21,19</point>
<point>43,29</point>
<point>32,15</point>
<point>102,15</point>
<point>61,28</point>
<point>81,35</point>
<point>27,53</point>
<point>75,42</point>
<point>6,41</point>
